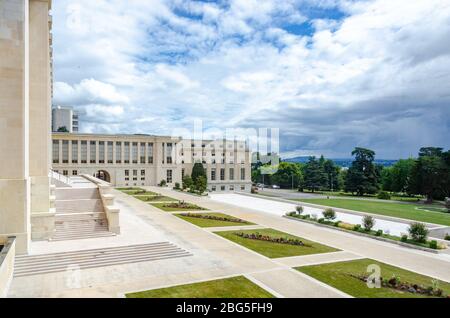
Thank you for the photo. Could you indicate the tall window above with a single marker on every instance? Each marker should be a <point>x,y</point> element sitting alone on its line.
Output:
<point>182,173</point>
<point>65,151</point>
<point>213,174</point>
<point>134,152</point>
<point>169,149</point>
<point>231,173</point>
<point>169,176</point>
<point>118,152</point>
<point>55,150</point>
<point>92,149</point>
<point>126,151</point>
<point>110,152</point>
<point>222,174</point>
<point>83,151</point>
<point>135,175</point>
<point>101,152</point>
<point>74,151</point>
<point>150,152</point>
<point>127,175</point>
<point>242,173</point>
<point>142,152</point>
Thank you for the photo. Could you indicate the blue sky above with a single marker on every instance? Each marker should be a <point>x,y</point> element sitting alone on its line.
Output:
<point>329,74</point>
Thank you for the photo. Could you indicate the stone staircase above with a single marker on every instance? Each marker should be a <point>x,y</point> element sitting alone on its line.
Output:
<point>79,214</point>
<point>27,265</point>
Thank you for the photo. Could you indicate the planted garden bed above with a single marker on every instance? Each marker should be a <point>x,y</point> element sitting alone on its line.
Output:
<point>351,278</point>
<point>154,198</point>
<point>273,249</point>
<point>177,206</point>
<point>426,245</point>
<point>212,219</point>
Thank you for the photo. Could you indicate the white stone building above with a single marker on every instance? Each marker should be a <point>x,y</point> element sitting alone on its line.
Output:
<point>64,116</point>
<point>145,160</point>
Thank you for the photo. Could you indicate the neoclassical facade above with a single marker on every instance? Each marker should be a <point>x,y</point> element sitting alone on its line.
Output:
<point>145,160</point>
<point>26,210</point>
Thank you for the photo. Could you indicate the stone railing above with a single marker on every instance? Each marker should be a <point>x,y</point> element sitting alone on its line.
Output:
<point>7,255</point>
<point>112,211</point>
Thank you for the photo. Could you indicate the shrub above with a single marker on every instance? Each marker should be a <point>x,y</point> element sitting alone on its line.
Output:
<point>291,213</point>
<point>346,226</point>
<point>177,186</point>
<point>418,232</point>
<point>321,220</point>
<point>447,237</point>
<point>337,223</point>
<point>357,227</point>
<point>383,195</point>
<point>379,233</point>
<point>368,222</point>
<point>299,209</point>
<point>187,182</point>
<point>162,183</point>
<point>433,244</point>
<point>329,214</point>
<point>306,216</point>
<point>404,238</point>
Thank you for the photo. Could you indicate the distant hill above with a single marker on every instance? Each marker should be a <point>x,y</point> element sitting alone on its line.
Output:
<point>344,162</point>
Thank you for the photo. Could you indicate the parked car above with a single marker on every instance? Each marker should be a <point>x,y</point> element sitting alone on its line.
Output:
<point>274,186</point>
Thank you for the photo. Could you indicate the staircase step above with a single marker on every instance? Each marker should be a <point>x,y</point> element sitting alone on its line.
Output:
<point>58,262</point>
<point>76,193</point>
<point>44,263</point>
<point>78,205</point>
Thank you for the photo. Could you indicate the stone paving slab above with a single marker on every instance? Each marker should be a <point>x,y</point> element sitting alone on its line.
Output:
<point>314,259</point>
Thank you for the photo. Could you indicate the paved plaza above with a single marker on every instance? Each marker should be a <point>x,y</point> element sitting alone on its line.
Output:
<point>212,256</point>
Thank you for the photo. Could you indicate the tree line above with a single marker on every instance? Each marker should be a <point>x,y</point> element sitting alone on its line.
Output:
<point>427,175</point>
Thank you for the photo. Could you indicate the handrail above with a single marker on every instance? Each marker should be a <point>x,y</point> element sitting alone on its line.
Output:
<point>62,178</point>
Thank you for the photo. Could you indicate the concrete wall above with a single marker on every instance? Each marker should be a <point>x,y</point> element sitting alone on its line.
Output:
<point>14,121</point>
<point>6,264</point>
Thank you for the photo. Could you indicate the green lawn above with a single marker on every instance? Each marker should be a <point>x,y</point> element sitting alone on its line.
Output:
<point>234,287</point>
<point>400,210</point>
<point>211,223</point>
<point>275,250</point>
<point>192,207</point>
<point>151,198</point>
<point>338,275</point>
<point>394,197</point>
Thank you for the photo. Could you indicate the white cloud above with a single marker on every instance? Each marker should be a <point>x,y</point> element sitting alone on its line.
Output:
<point>371,78</point>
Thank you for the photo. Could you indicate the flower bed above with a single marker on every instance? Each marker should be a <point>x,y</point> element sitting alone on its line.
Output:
<point>213,217</point>
<point>268,238</point>
<point>397,284</point>
<point>434,245</point>
<point>180,205</point>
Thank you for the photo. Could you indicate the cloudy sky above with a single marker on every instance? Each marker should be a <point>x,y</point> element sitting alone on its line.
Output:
<point>330,74</point>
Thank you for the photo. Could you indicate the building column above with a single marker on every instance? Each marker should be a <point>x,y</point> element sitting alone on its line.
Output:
<point>14,120</point>
<point>42,216</point>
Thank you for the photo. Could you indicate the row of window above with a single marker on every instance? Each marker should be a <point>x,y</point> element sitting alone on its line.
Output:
<point>125,152</point>
<point>230,188</point>
<point>222,174</point>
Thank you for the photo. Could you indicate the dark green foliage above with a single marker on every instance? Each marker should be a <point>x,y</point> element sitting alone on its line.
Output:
<point>187,182</point>
<point>418,232</point>
<point>314,175</point>
<point>197,171</point>
<point>383,195</point>
<point>433,244</point>
<point>363,176</point>
<point>430,175</point>
<point>62,129</point>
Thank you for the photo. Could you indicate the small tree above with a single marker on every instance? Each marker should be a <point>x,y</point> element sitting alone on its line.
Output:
<point>197,171</point>
<point>329,214</point>
<point>200,184</point>
<point>177,186</point>
<point>187,182</point>
<point>418,232</point>
<point>368,222</point>
<point>299,209</point>
<point>62,129</point>
<point>162,183</point>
